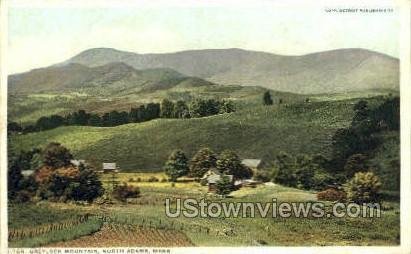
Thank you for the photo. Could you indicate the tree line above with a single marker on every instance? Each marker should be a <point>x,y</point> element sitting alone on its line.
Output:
<point>166,109</point>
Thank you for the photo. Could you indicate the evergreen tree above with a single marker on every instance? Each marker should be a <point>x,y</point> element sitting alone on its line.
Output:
<point>176,166</point>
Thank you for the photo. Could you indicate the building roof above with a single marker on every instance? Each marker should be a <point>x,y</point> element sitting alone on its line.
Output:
<point>27,172</point>
<point>215,178</point>
<point>77,162</point>
<point>251,163</point>
<point>109,166</point>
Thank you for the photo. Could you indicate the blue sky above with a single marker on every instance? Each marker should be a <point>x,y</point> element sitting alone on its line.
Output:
<point>40,36</point>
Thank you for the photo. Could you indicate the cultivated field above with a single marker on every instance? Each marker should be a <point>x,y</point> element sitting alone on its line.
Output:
<point>144,222</point>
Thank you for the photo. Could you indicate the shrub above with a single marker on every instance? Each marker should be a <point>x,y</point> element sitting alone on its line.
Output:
<point>138,179</point>
<point>152,179</point>
<point>331,194</point>
<point>363,188</point>
<point>23,196</point>
<point>124,191</point>
<point>163,180</point>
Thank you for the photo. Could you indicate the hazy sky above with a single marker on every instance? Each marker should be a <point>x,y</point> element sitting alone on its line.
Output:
<point>39,37</point>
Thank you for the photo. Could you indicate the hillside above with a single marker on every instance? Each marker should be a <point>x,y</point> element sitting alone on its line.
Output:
<point>331,71</point>
<point>113,78</point>
<point>253,132</point>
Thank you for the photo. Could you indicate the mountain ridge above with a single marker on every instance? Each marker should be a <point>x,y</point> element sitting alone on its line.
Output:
<point>329,71</point>
<point>333,71</point>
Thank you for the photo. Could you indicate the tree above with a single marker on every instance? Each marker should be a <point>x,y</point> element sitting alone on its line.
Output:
<point>116,118</point>
<point>202,161</point>
<point>87,185</point>
<point>14,177</point>
<point>387,115</point>
<point>212,107</point>
<point>176,166</point>
<point>363,188</point>
<point>285,170</point>
<point>14,127</point>
<point>229,163</point>
<point>55,155</point>
<point>355,163</point>
<point>94,120</point>
<point>224,186</point>
<point>167,109</point>
<point>198,108</point>
<point>267,100</point>
<point>152,111</point>
<point>46,123</point>
<point>137,115</point>
<point>78,118</point>
<point>180,109</point>
<point>227,107</point>
<point>304,172</point>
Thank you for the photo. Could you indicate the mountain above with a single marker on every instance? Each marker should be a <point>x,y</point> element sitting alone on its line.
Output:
<point>333,71</point>
<point>113,77</point>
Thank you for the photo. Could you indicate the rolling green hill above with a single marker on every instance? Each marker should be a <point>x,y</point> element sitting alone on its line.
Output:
<point>254,131</point>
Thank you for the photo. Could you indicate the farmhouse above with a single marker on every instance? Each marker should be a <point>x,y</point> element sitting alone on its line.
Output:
<point>212,176</point>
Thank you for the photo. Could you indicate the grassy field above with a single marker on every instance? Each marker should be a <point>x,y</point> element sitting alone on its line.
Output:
<point>145,222</point>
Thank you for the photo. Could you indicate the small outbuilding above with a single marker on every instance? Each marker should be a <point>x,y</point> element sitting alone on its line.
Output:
<point>109,167</point>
